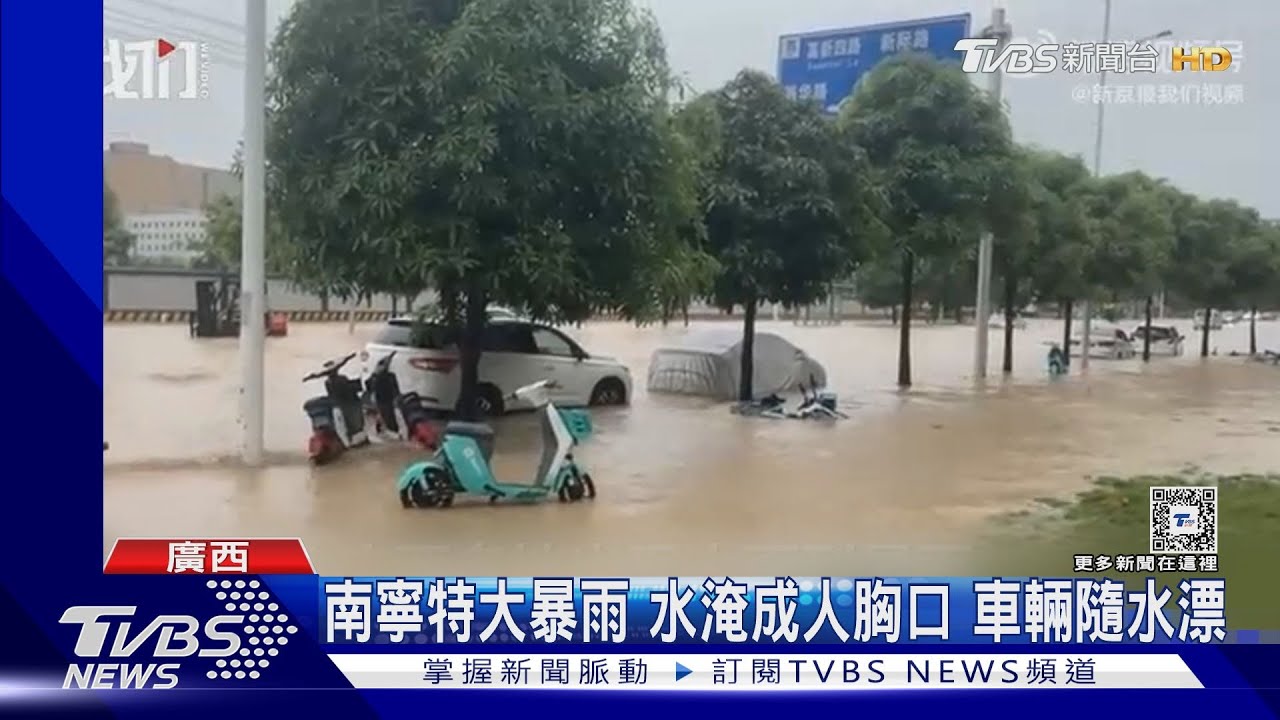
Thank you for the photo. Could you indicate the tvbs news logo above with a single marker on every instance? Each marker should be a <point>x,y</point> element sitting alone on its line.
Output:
<point>118,649</point>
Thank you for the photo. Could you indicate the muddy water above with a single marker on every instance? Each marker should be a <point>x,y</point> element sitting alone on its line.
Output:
<point>685,487</point>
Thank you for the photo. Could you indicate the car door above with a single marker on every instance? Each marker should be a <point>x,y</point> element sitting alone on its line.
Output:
<point>559,358</point>
<point>508,350</point>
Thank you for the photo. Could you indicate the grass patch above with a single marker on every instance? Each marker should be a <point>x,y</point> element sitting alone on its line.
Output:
<point>1111,518</point>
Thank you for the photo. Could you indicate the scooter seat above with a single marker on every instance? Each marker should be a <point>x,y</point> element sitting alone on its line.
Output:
<point>470,429</point>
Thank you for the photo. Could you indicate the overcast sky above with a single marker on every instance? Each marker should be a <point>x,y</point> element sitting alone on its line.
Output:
<point>1226,150</point>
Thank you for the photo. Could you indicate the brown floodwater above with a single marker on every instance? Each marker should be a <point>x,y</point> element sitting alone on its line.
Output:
<point>904,486</point>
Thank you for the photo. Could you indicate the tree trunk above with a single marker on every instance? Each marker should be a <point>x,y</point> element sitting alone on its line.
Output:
<point>1067,307</point>
<point>1253,331</point>
<point>748,367</point>
<point>395,305</point>
<point>685,311</point>
<point>1010,315</point>
<point>893,314</point>
<point>1146,333</point>
<point>1204,334</point>
<point>448,299</point>
<point>324,301</point>
<point>1205,329</point>
<point>904,330</point>
<point>469,351</point>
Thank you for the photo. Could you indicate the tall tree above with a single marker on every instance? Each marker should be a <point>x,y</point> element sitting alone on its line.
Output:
<point>784,205</point>
<point>1254,270</point>
<point>1064,233</point>
<point>1133,239</point>
<point>512,151</point>
<point>1205,235</point>
<point>936,142</point>
<point>117,242</point>
<point>1011,218</point>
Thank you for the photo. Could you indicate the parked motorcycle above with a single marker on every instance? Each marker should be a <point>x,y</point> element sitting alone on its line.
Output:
<point>337,417</point>
<point>394,414</point>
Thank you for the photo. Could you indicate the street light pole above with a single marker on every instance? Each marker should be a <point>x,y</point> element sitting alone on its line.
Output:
<point>1001,31</point>
<point>1086,339</point>
<point>253,283</point>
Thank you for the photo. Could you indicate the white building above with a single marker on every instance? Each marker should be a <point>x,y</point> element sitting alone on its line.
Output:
<point>173,235</point>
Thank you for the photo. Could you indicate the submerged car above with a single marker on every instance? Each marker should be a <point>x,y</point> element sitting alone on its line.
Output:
<point>708,363</point>
<point>1165,339</point>
<point>1106,342</point>
<point>515,353</point>
<point>1216,320</point>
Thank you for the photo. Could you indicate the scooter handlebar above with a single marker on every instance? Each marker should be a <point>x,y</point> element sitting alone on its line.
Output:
<point>330,368</point>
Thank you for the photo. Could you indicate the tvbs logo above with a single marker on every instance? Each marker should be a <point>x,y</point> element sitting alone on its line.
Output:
<point>106,632</point>
<point>1201,59</point>
<point>1184,520</point>
<point>1018,58</point>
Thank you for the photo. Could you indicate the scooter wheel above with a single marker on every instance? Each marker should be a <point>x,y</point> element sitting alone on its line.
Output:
<point>437,488</point>
<point>572,490</point>
<point>590,485</point>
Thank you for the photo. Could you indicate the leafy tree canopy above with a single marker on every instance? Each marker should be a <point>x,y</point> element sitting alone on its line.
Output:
<point>940,147</point>
<point>528,159</point>
<point>1131,215</point>
<point>785,196</point>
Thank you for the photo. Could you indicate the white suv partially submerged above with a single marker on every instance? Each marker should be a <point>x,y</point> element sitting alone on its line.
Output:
<point>516,352</point>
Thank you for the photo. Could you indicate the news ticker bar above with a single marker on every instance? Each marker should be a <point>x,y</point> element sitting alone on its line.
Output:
<point>707,610</point>
<point>751,672</point>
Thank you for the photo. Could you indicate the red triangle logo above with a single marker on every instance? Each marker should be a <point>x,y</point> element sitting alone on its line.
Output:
<point>164,47</point>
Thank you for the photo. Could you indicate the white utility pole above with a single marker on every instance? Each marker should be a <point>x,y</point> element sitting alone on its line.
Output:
<point>1086,340</point>
<point>1001,31</point>
<point>253,281</point>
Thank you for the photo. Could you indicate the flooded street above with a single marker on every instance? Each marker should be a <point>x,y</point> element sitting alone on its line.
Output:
<point>685,487</point>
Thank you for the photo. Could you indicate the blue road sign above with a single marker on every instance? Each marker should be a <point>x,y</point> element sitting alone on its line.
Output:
<point>826,65</point>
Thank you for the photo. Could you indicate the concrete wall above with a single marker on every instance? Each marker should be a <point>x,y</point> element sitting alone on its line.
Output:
<point>175,291</point>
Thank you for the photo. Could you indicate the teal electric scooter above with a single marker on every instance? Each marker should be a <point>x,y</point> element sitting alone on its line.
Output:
<point>461,464</point>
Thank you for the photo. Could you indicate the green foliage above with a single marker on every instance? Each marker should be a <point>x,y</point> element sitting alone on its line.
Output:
<point>943,160</point>
<point>1206,235</point>
<point>1064,237</point>
<point>117,242</point>
<point>1254,267</point>
<point>1132,232</point>
<point>940,148</point>
<point>782,199</point>
<point>524,152</point>
<point>223,239</point>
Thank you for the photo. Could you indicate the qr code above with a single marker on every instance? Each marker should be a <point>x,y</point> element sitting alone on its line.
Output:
<point>1184,520</point>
